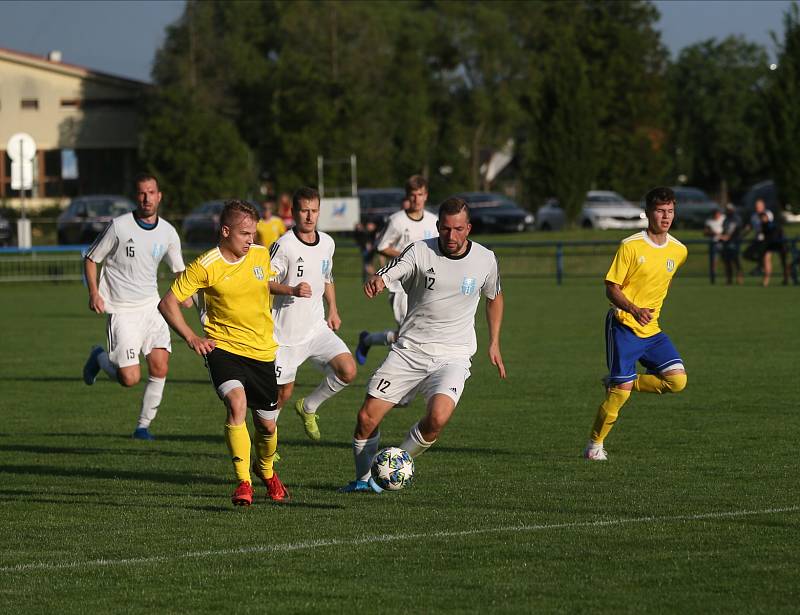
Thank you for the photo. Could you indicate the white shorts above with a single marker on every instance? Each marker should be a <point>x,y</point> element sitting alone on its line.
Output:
<point>321,348</point>
<point>402,371</point>
<point>399,302</point>
<point>130,333</point>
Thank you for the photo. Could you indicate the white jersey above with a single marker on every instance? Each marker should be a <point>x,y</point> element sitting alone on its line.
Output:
<point>130,255</point>
<point>401,231</point>
<point>294,261</point>
<point>443,295</point>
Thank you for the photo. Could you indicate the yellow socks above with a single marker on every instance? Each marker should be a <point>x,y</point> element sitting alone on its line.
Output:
<point>668,383</point>
<point>607,413</point>
<point>238,441</point>
<point>266,446</point>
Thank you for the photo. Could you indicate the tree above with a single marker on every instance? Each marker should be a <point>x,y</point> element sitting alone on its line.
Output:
<point>718,110</point>
<point>626,68</point>
<point>781,102</point>
<point>560,146</point>
<point>196,154</point>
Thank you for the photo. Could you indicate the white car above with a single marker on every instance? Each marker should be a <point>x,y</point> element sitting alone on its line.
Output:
<point>602,209</point>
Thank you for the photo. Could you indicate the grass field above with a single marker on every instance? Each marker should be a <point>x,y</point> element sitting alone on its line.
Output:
<point>696,511</point>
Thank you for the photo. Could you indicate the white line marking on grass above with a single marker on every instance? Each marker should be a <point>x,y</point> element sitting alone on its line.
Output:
<point>368,540</point>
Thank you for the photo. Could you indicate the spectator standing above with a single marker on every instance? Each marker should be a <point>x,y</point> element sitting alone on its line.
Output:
<point>731,241</point>
<point>713,230</point>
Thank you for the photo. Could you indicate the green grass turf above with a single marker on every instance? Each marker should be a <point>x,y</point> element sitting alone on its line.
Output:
<point>696,510</point>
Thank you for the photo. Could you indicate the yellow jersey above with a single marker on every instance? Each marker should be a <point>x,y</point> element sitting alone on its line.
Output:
<point>644,271</point>
<point>237,299</point>
<point>269,231</point>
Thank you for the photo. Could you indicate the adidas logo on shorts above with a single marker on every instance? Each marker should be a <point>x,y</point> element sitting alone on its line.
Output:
<point>430,270</point>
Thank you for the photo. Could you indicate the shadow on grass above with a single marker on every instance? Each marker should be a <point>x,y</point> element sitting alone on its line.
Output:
<point>213,439</point>
<point>77,379</point>
<point>111,474</point>
<point>134,449</point>
<point>105,498</point>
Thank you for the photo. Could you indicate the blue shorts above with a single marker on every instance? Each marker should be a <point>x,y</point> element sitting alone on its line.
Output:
<point>624,348</point>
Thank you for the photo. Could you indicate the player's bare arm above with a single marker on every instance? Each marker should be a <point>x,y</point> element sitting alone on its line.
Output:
<point>96,303</point>
<point>614,293</point>
<point>171,311</point>
<point>333,320</point>
<point>374,286</point>
<point>301,290</point>
<point>494,320</point>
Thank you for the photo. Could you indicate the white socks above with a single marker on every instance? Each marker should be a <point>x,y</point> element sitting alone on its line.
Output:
<point>107,366</point>
<point>364,451</point>
<point>153,391</point>
<point>326,389</point>
<point>414,442</point>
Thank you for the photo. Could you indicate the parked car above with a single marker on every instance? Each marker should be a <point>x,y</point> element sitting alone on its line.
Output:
<point>377,204</point>
<point>6,231</point>
<point>86,216</point>
<point>201,226</point>
<point>693,207</point>
<point>768,192</point>
<point>602,209</point>
<point>495,213</point>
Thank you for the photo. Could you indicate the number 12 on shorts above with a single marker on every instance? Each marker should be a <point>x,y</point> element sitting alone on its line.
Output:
<point>383,385</point>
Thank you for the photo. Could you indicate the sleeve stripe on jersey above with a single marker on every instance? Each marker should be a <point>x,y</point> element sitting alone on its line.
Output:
<point>393,262</point>
<point>93,247</point>
<point>273,250</point>
<point>209,258</point>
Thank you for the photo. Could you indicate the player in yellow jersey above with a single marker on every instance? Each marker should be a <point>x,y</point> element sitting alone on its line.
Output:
<point>239,346</point>
<point>270,228</point>
<point>636,285</point>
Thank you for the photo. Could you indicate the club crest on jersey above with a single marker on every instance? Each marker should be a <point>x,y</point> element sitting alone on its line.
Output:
<point>258,272</point>
<point>670,265</point>
<point>428,234</point>
<point>642,259</point>
<point>468,286</point>
<point>326,266</point>
<point>158,249</point>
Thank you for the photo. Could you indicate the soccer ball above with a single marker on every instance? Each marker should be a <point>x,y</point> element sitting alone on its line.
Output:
<point>392,469</point>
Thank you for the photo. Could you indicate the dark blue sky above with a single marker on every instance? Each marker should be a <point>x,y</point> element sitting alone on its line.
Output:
<point>121,37</point>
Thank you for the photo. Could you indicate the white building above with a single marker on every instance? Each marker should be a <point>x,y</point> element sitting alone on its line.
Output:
<point>84,123</point>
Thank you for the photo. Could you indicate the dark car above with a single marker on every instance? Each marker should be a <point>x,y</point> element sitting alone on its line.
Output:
<point>693,207</point>
<point>86,216</point>
<point>767,191</point>
<point>201,226</point>
<point>495,213</point>
<point>6,232</point>
<point>377,204</point>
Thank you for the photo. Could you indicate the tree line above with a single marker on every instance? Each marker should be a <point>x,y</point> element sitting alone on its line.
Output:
<point>584,93</point>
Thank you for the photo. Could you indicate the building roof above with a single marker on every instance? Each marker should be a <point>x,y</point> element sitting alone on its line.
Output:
<point>65,68</point>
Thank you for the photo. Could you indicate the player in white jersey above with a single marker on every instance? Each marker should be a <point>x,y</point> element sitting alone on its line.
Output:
<point>131,248</point>
<point>304,256</point>
<point>403,228</point>
<point>444,278</point>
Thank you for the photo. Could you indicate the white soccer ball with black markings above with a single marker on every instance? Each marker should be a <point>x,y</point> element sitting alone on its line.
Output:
<point>392,469</point>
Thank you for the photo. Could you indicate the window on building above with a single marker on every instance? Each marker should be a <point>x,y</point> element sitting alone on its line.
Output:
<point>70,103</point>
<point>30,103</point>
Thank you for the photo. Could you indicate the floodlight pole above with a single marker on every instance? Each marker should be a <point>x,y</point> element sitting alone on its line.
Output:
<point>320,173</point>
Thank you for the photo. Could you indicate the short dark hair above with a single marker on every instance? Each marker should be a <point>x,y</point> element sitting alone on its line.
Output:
<point>235,206</point>
<point>453,206</point>
<point>415,182</point>
<point>658,196</point>
<point>304,194</point>
<point>144,177</point>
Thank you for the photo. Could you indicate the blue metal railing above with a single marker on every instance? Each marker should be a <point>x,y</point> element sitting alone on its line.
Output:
<point>560,260</point>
